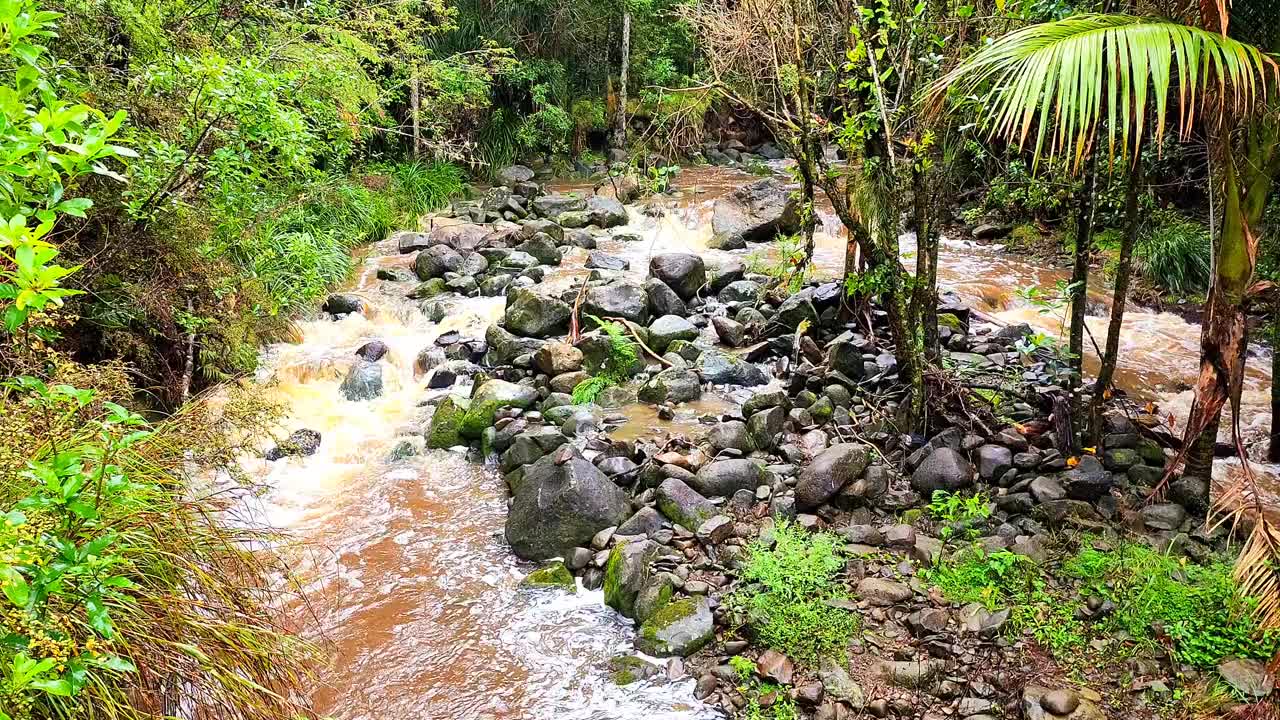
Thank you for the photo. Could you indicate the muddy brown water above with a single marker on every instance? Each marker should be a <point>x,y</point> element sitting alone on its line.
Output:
<point>410,584</point>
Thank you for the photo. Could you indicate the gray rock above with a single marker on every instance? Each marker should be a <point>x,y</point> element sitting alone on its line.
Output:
<point>619,299</point>
<point>1164,516</point>
<point>765,427</point>
<point>668,328</point>
<point>556,204</point>
<point>605,212</point>
<point>909,674</point>
<point>663,300</point>
<point>605,261</point>
<point>534,315</point>
<point>338,305</point>
<point>1249,677</point>
<point>673,385</point>
<point>796,309</point>
<point>363,382</point>
<point>504,347</point>
<point>557,507</point>
<point>683,505</point>
<point>682,272</point>
<point>724,369</point>
<point>555,358</point>
<point>837,683</point>
<point>944,469</point>
<point>830,471</point>
<point>644,523</point>
<point>512,175</point>
<point>754,213</point>
<point>299,442</point>
<point>725,477</point>
<point>741,291</point>
<point>730,332</point>
<point>462,237</point>
<point>1045,489</point>
<point>1087,481</point>
<point>882,592</point>
<point>626,573</point>
<point>993,461</point>
<point>542,247</point>
<point>730,435</point>
<point>373,351</point>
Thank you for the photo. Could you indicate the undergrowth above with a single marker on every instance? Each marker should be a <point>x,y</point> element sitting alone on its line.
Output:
<point>621,357</point>
<point>1174,253</point>
<point>788,586</point>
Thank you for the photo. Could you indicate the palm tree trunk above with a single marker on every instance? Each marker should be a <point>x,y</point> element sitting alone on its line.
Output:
<point>925,297</point>
<point>1079,295</point>
<point>1119,297</point>
<point>1273,453</point>
<point>619,140</point>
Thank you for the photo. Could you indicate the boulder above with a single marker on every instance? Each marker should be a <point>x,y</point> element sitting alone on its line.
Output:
<point>679,629</point>
<point>504,347</point>
<point>731,332</point>
<point>663,300</point>
<point>796,309</point>
<point>446,422</point>
<point>373,351</point>
<point>435,261</point>
<point>363,382</point>
<point>669,328</point>
<point>993,461</point>
<point>407,241</point>
<point>725,477</point>
<point>724,369</point>
<point>559,506</point>
<point>555,358</point>
<point>513,175</point>
<point>682,272</point>
<point>747,291</point>
<point>533,315</point>
<point>1250,678</point>
<point>556,204</point>
<point>766,426</point>
<point>547,227</point>
<point>459,237</point>
<point>944,469</point>
<point>731,434</point>
<point>673,385</point>
<point>491,397</point>
<point>618,299</point>
<point>605,212</point>
<point>605,261</point>
<point>830,471</point>
<point>338,305</point>
<point>625,574</point>
<point>542,248</point>
<point>682,504</point>
<point>754,213</point>
<point>299,442</point>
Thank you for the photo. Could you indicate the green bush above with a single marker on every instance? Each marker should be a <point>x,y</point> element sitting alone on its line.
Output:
<point>422,187</point>
<point>617,364</point>
<point>1174,253</point>
<point>1196,606</point>
<point>789,584</point>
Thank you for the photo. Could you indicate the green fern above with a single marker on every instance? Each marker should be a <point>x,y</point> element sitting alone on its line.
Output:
<point>613,371</point>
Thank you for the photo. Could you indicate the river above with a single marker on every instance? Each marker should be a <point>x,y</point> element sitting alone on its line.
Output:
<point>409,582</point>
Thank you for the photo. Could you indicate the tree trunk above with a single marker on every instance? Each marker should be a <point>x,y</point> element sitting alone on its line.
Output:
<point>1273,453</point>
<point>1079,294</point>
<point>619,141</point>
<point>1133,224</point>
<point>413,108</point>
<point>925,295</point>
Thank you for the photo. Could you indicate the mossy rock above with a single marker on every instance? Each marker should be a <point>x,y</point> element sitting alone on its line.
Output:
<point>948,320</point>
<point>551,575</point>
<point>682,627</point>
<point>628,669</point>
<point>429,289</point>
<point>912,516</point>
<point>489,399</point>
<point>446,423</point>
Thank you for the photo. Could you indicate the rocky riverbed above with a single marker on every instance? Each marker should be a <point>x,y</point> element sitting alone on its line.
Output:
<point>664,520</point>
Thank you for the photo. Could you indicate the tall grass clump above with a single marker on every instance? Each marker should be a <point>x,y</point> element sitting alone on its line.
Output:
<point>786,593</point>
<point>1174,253</point>
<point>421,187</point>
<point>128,594</point>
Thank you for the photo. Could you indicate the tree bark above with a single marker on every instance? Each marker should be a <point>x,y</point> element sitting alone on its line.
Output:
<point>1080,293</point>
<point>925,295</point>
<point>413,108</point>
<point>1273,453</point>
<point>619,140</point>
<point>1106,373</point>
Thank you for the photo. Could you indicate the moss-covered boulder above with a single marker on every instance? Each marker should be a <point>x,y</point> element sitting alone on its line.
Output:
<point>558,506</point>
<point>446,422</point>
<point>625,574</point>
<point>551,575</point>
<point>680,628</point>
<point>491,397</point>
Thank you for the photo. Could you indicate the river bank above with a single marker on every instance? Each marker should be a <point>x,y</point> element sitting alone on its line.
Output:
<point>415,581</point>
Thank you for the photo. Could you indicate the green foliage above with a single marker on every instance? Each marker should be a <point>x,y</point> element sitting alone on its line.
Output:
<point>1174,253</point>
<point>787,267</point>
<point>622,355</point>
<point>422,187</point>
<point>952,509</point>
<point>785,597</point>
<point>1196,606</point>
<point>1021,192</point>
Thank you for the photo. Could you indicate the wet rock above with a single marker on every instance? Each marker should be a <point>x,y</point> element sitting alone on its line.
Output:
<point>534,315</point>
<point>541,247</point>
<point>669,328</point>
<point>435,261</point>
<point>373,351</point>
<point>830,471</point>
<point>747,291</point>
<point>1060,512</point>
<point>605,212</point>
<point>754,213</point>
<point>644,523</point>
<point>725,477</point>
<point>730,435</point>
<point>673,385</point>
<point>1190,492</point>
<point>730,332</point>
<point>489,398</point>
<point>407,241</point>
<point>1249,677</point>
<point>884,593</point>
<point>559,506</point>
<point>580,239</point>
<point>683,505</point>
<point>338,305</point>
<point>551,575</point>
<point>1087,481</point>
<point>555,358</point>
<point>837,683</point>
<point>680,628</point>
<point>1164,516</point>
<point>363,382</point>
<point>446,422</point>
<point>796,309</point>
<point>605,261</point>
<point>614,467</point>
<point>682,272</point>
<point>663,300</point>
<point>619,299</point>
<point>504,347</point>
<point>909,674</point>
<point>944,469</point>
<point>723,369</point>
<point>427,290</point>
<point>765,427</point>
<point>299,442</point>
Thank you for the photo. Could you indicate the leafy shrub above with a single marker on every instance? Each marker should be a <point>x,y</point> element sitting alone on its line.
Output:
<point>953,509</point>
<point>622,356</point>
<point>789,584</point>
<point>422,187</point>
<point>1196,606</point>
<point>1174,253</point>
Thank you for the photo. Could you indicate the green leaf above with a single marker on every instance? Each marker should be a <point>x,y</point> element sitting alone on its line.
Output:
<point>60,687</point>
<point>99,618</point>
<point>15,586</point>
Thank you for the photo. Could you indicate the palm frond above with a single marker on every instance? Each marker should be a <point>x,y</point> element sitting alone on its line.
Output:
<point>1065,79</point>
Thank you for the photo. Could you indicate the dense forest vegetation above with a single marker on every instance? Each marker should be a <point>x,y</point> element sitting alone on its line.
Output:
<point>179,179</point>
